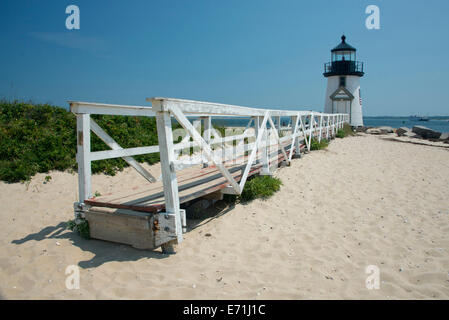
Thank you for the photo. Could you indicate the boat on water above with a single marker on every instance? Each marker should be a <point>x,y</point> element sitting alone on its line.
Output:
<point>417,118</point>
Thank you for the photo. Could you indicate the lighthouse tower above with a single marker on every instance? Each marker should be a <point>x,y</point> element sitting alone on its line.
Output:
<point>343,83</point>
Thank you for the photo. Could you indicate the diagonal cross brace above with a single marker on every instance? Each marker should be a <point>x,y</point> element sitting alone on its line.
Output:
<point>262,129</point>
<point>115,146</point>
<point>294,137</point>
<point>278,139</point>
<point>185,123</point>
<point>304,133</point>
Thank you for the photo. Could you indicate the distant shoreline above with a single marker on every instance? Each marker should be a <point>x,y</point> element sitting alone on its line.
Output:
<point>438,124</point>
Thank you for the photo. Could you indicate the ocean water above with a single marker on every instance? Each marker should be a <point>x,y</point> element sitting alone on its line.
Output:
<point>440,124</point>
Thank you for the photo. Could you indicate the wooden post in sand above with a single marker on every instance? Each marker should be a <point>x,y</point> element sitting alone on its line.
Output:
<point>167,158</point>
<point>83,156</point>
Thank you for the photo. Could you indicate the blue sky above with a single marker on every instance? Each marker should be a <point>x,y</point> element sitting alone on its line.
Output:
<point>249,53</point>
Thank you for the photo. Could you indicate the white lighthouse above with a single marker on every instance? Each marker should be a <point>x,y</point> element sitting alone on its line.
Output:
<point>343,83</point>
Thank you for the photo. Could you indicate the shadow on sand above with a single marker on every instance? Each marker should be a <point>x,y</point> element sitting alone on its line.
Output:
<point>105,251</point>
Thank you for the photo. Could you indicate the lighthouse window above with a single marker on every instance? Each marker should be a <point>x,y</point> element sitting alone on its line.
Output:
<point>342,81</point>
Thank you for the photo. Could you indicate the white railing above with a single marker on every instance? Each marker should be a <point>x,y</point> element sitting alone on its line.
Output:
<point>303,126</point>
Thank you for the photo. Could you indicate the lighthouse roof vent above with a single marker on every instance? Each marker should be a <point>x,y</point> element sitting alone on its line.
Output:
<point>343,46</point>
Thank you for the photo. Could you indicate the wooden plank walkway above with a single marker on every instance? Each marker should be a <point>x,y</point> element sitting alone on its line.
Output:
<point>193,182</point>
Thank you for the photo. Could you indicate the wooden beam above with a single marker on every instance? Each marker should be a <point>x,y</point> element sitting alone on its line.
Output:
<point>167,155</point>
<point>209,108</point>
<point>83,157</point>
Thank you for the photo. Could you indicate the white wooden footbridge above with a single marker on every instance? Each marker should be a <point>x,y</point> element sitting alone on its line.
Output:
<point>151,216</point>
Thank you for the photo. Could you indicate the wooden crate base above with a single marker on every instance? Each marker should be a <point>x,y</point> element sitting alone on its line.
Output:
<point>122,226</point>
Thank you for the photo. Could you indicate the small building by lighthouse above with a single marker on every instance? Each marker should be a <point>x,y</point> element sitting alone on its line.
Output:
<point>343,74</point>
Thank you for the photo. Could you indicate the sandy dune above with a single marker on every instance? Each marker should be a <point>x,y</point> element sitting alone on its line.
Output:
<point>364,201</point>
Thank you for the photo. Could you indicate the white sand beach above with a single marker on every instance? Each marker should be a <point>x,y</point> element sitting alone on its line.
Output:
<point>363,201</point>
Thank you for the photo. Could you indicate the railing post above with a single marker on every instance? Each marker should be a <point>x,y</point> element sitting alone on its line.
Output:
<point>321,128</point>
<point>295,126</point>
<point>278,119</point>
<point>334,123</point>
<point>256,132</point>
<point>310,130</point>
<point>264,149</point>
<point>83,156</point>
<point>207,125</point>
<point>167,158</point>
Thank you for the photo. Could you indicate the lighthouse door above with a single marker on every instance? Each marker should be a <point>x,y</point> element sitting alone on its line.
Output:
<point>342,106</point>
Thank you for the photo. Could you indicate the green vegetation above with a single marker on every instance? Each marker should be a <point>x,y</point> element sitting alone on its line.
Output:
<point>340,134</point>
<point>315,145</point>
<point>260,187</point>
<point>346,131</point>
<point>40,138</point>
<point>82,227</point>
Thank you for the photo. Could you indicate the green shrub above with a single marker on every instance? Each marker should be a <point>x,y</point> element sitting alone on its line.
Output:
<point>345,131</point>
<point>40,138</point>
<point>260,187</point>
<point>340,133</point>
<point>82,227</point>
<point>315,145</point>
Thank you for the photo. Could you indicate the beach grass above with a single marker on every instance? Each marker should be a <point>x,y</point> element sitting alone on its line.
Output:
<point>260,187</point>
<point>345,131</point>
<point>318,145</point>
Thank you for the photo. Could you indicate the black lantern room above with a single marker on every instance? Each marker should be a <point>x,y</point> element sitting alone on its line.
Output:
<point>343,61</point>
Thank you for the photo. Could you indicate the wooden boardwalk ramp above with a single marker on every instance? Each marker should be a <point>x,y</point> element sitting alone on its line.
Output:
<point>150,215</point>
